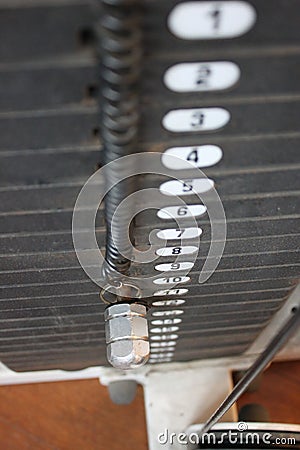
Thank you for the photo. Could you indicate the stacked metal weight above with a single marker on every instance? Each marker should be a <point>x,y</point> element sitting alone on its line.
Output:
<point>51,316</point>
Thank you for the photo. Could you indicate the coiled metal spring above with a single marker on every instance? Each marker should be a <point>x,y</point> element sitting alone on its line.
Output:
<point>121,52</point>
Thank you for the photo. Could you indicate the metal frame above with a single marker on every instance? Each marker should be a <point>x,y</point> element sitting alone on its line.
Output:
<point>177,395</point>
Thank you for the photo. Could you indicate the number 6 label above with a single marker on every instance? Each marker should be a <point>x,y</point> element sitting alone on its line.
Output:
<point>175,212</point>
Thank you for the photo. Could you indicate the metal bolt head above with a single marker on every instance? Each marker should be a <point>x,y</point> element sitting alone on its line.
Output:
<point>127,335</point>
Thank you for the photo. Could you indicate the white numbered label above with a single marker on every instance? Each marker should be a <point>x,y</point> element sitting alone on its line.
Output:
<point>196,119</point>
<point>169,302</point>
<point>186,187</point>
<point>179,233</point>
<point>211,19</point>
<point>162,355</point>
<point>174,266</point>
<point>171,292</point>
<point>164,337</point>
<point>156,361</point>
<point>163,345</point>
<point>178,158</point>
<point>161,360</point>
<point>164,330</point>
<point>169,312</point>
<point>162,350</point>
<point>168,280</point>
<point>172,321</point>
<point>202,76</point>
<point>180,212</point>
<point>169,251</point>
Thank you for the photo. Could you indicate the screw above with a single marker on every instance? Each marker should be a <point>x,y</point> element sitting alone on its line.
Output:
<point>127,336</point>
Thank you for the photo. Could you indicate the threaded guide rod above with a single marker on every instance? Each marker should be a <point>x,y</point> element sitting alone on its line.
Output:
<point>121,52</point>
<point>127,334</point>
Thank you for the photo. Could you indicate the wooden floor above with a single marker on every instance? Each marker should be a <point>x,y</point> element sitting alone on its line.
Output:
<point>78,415</point>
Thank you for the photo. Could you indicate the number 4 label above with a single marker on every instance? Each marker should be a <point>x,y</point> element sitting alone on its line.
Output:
<point>178,158</point>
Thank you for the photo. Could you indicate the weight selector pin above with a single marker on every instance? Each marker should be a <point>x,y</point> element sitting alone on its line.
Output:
<point>127,335</point>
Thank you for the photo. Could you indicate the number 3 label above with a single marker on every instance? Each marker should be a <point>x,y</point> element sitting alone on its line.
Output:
<point>196,119</point>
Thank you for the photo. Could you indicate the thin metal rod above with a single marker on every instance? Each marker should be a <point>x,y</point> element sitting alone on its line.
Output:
<point>257,367</point>
<point>120,45</point>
